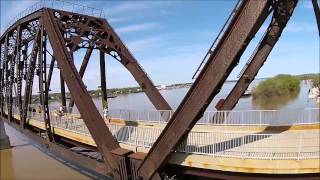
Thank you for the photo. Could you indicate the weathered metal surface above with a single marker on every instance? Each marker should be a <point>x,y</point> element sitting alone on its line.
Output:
<point>242,28</point>
<point>14,55</point>
<point>44,90</point>
<point>21,22</point>
<point>103,81</point>
<point>83,67</point>
<point>106,39</point>
<point>4,57</point>
<point>50,72</point>
<point>283,10</point>
<point>96,125</point>
<point>29,78</point>
<point>74,31</point>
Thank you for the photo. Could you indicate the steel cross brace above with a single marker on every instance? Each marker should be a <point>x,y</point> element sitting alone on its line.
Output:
<point>282,13</point>
<point>105,141</point>
<point>245,24</point>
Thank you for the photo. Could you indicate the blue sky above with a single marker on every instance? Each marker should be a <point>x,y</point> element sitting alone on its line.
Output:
<point>169,39</point>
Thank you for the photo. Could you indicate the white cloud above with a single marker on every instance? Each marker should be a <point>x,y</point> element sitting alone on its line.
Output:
<point>143,44</point>
<point>126,7</point>
<point>116,20</point>
<point>137,27</point>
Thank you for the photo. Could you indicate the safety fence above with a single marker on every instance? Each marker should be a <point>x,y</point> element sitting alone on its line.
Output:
<point>287,145</point>
<point>234,117</point>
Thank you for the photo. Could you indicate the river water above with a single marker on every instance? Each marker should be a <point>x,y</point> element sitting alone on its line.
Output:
<point>140,101</point>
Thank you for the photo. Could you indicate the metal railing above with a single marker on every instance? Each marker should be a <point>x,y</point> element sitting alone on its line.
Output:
<point>249,145</point>
<point>59,5</point>
<point>235,117</point>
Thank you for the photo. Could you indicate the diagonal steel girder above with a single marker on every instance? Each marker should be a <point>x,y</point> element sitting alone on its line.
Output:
<point>316,13</point>
<point>244,25</point>
<point>106,143</point>
<point>281,15</point>
<point>30,77</point>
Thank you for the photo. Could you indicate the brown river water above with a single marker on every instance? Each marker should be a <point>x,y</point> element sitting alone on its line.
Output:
<point>139,101</point>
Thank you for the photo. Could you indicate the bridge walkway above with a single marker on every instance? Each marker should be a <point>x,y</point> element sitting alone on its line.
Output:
<point>250,148</point>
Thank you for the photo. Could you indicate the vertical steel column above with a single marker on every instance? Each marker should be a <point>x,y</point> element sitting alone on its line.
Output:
<point>12,75</point>
<point>63,91</point>
<point>50,72</point>
<point>3,73</point>
<point>30,76</point>
<point>6,71</point>
<point>19,76</point>
<point>43,85</point>
<point>83,68</point>
<point>103,81</point>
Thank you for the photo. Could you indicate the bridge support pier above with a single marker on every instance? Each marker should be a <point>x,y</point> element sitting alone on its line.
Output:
<point>4,139</point>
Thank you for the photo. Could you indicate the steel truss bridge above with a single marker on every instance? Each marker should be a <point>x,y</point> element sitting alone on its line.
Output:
<point>47,37</point>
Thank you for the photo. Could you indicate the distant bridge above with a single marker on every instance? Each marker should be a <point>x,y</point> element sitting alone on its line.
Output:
<point>58,30</point>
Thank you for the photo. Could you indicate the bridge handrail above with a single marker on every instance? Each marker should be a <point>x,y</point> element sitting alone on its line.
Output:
<point>60,5</point>
<point>235,117</point>
<point>242,144</point>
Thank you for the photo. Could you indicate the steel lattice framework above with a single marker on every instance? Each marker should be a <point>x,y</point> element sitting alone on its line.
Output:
<point>25,54</point>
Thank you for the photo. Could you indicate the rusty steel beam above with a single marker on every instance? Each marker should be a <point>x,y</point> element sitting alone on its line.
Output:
<point>3,72</point>
<point>105,141</point>
<point>317,13</point>
<point>244,25</point>
<point>104,38</point>
<point>29,80</point>
<point>20,78</point>
<point>83,68</point>
<point>62,90</point>
<point>18,69</point>
<point>12,67</point>
<point>103,80</point>
<point>282,13</point>
<point>21,21</point>
<point>44,91</point>
<point>50,72</point>
<point>132,65</point>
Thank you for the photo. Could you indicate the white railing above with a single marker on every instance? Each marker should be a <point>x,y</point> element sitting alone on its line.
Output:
<point>235,117</point>
<point>303,145</point>
<point>59,5</point>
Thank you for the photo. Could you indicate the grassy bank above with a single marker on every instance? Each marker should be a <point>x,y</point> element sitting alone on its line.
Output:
<point>277,86</point>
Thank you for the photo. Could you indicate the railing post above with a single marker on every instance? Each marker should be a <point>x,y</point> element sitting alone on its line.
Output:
<point>214,145</point>
<point>260,117</point>
<point>300,146</point>
<point>242,118</point>
<point>136,137</point>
